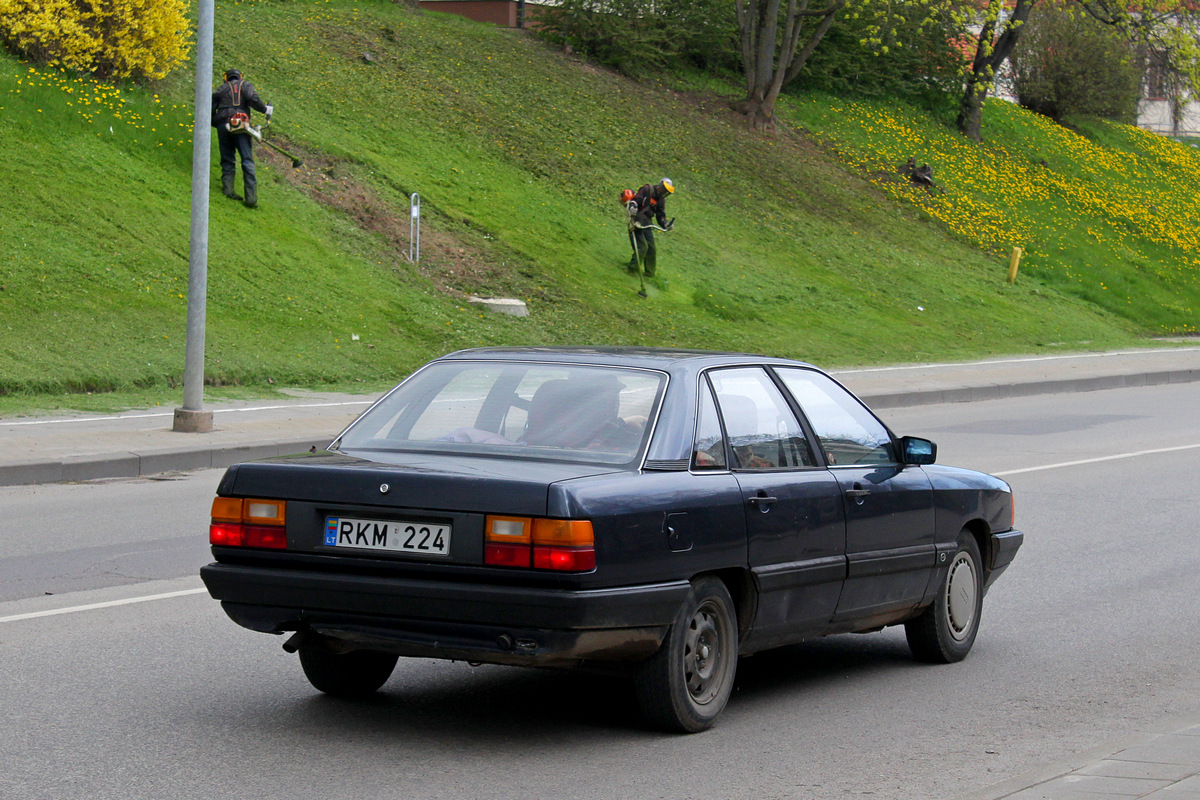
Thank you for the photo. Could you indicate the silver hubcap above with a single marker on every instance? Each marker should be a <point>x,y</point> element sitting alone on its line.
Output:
<point>962,592</point>
<point>703,656</point>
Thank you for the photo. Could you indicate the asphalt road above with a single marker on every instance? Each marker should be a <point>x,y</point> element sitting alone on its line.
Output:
<point>1091,634</point>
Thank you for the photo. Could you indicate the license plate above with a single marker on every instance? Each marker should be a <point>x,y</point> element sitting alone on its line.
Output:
<point>418,538</point>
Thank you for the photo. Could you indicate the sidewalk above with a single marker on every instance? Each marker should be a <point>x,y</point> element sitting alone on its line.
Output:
<point>1161,764</point>
<point>85,447</point>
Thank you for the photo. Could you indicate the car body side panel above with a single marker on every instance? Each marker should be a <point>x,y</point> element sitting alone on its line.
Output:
<point>963,495</point>
<point>890,540</point>
<point>657,525</point>
<point>797,547</point>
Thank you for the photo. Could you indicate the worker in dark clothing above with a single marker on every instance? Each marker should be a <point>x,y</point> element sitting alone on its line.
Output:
<point>231,104</point>
<point>647,208</point>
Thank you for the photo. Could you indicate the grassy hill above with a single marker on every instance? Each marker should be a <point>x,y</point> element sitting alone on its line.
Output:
<point>794,243</point>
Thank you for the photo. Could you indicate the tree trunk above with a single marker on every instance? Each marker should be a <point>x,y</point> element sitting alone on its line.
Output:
<point>990,54</point>
<point>769,59</point>
<point>970,114</point>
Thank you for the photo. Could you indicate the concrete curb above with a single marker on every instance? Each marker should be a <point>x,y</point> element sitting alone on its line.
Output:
<point>148,462</point>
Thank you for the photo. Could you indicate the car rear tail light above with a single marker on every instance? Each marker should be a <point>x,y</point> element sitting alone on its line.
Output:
<point>507,555</point>
<point>564,545</point>
<point>565,559</point>
<point>245,522</point>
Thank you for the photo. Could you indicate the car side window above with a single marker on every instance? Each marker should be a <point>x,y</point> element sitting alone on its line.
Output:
<point>848,432</point>
<point>709,449</point>
<point>762,430</point>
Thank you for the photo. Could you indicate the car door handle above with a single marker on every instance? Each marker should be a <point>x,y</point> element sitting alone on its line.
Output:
<point>762,499</point>
<point>858,493</point>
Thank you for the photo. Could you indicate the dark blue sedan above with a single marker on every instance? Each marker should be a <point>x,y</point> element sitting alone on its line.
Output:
<point>655,510</point>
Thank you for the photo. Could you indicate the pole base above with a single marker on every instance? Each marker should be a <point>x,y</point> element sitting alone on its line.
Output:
<point>188,421</point>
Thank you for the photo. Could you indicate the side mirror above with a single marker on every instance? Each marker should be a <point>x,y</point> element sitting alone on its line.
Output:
<point>918,451</point>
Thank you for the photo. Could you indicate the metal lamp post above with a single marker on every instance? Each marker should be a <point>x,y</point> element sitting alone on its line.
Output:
<point>192,418</point>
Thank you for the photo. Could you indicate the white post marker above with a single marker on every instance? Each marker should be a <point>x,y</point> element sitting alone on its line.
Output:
<point>414,228</point>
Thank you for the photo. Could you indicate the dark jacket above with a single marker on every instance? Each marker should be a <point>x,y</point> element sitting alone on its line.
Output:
<point>234,96</point>
<point>651,202</point>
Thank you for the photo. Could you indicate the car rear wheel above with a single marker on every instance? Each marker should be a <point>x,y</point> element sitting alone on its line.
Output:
<point>354,674</point>
<point>686,684</point>
<point>946,630</point>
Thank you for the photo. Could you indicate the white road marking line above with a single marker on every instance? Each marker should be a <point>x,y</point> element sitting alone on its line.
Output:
<point>1098,460</point>
<point>94,606</point>
<point>120,417</point>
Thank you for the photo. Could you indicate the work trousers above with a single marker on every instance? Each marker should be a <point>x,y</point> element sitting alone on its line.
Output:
<point>642,241</point>
<point>233,145</point>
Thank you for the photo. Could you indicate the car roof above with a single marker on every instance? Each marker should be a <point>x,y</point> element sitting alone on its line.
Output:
<point>644,357</point>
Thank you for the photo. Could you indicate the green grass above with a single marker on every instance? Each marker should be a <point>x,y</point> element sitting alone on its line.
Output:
<point>783,245</point>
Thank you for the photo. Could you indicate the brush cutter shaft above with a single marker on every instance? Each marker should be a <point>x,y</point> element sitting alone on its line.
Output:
<point>296,162</point>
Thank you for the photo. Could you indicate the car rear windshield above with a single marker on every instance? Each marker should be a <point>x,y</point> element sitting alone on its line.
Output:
<point>515,410</point>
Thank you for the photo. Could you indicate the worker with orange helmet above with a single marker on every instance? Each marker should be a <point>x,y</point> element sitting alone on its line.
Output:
<point>647,208</point>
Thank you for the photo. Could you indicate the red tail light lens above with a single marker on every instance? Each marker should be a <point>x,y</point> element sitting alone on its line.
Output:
<point>242,522</point>
<point>265,536</point>
<point>227,534</point>
<point>506,555</point>
<point>565,559</point>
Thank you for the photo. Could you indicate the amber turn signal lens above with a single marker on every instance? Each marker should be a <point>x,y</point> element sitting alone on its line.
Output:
<point>227,509</point>
<point>563,532</point>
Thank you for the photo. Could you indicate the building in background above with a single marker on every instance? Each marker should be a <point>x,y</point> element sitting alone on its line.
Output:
<point>1158,106</point>
<point>505,13</point>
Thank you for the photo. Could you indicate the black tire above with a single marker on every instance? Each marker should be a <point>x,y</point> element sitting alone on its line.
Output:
<point>355,674</point>
<point>945,631</point>
<point>686,684</point>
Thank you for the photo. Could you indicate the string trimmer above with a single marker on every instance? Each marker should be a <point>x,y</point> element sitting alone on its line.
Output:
<point>241,124</point>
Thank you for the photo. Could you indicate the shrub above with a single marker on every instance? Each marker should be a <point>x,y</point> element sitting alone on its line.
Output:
<point>136,39</point>
<point>886,49</point>
<point>1069,64</point>
<point>638,37</point>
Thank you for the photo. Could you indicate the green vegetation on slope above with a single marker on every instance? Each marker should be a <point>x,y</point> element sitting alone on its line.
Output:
<point>1111,218</point>
<point>518,154</point>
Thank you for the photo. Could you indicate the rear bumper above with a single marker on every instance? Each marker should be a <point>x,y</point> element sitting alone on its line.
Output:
<point>438,619</point>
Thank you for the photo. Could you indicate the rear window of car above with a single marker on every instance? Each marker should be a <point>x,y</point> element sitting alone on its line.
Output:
<point>515,410</point>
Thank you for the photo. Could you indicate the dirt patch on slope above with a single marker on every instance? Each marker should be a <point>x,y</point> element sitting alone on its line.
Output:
<point>452,265</point>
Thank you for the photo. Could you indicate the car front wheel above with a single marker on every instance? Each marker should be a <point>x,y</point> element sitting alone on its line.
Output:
<point>686,684</point>
<point>946,629</point>
<point>354,674</point>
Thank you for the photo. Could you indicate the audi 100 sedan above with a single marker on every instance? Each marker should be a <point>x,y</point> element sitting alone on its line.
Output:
<point>662,512</point>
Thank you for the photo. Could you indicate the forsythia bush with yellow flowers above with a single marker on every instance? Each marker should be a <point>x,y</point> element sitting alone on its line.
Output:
<point>136,39</point>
